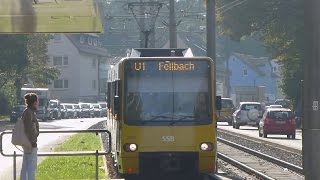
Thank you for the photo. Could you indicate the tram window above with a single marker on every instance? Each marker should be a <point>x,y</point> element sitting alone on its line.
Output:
<point>154,96</point>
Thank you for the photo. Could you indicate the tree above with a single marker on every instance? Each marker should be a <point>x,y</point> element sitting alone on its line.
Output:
<point>280,26</point>
<point>38,69</point>
<point>23,58</point>
<point>13,56</point>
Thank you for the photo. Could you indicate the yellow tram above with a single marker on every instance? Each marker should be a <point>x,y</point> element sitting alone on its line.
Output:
<point>163,115</point>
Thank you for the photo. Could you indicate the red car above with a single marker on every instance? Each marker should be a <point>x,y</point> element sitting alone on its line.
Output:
<point>278,121</point>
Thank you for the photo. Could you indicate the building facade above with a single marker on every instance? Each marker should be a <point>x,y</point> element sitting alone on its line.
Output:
<point>248,72</point>
<point>83,67</point>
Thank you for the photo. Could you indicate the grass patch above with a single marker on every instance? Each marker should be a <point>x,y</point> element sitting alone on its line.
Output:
<point>4,118</point>
<point>67,168</point>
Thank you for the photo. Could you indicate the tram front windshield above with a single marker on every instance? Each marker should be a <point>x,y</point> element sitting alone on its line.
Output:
<point>162,92</point>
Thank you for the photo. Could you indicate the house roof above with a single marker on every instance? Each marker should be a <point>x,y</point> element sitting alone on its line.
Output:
<point>74,38</point>
<point>256,64</point>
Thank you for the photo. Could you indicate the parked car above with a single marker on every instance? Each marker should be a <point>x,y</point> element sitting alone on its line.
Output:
<point>92,111</point>
<point>284,102</point>
<point>70,113</point>
<point>55,111</point>
<point>104,109</point>
<point>97,110</point>
<point>85,110</point>
<point>278,121</point>
<point>16,113</point>
<point>249,113</point>
<point>77,110</point>
<point>63,111</point>
<point>274,106</point>
<point>225,115</point>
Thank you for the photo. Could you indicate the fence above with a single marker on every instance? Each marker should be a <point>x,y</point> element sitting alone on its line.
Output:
<point>96,153</point>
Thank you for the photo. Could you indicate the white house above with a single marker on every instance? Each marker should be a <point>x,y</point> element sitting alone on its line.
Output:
<point>277,70</point>
<point>83,67</point>
<point>249,72</point>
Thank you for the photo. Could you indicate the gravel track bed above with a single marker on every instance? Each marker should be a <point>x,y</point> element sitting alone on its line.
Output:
<point>290,157</point>
<point>233,172</point>
<point>112,172</point>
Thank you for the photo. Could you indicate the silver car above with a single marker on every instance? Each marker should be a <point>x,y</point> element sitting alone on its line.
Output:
<point>77,110</point>
<point>249,113</point>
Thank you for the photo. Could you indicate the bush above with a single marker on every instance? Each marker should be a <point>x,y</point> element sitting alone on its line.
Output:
<point>4,105</point>
<point>7,98</point>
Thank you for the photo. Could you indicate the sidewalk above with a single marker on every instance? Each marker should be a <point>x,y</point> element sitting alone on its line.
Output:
<point>6,165</point>
<point>46,143</point>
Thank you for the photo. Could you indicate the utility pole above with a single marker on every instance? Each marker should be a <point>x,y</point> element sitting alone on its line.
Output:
<point>227,75</point>
<point>142,22</point>
<point>152,38</point>
<point>172,25</point>
<point>99,71</point>
<point>311,115</point>
<point>211,33</point>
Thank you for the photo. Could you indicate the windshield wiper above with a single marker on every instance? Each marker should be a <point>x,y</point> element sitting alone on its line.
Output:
<point>182,117</point>
<point>157,117</point>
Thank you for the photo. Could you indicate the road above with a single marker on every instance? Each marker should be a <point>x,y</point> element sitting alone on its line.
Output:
<point>45,141</point>
<point>278,139</point>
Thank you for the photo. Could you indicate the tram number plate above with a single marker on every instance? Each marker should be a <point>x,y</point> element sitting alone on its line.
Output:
<point>168,138</point>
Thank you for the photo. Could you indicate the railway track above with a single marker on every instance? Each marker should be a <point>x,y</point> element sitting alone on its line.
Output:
<point>258,164</point>
<point>259,140</point>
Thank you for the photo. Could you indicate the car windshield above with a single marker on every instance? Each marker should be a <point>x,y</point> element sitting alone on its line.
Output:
<point>96,106</point>
<point>85,106</point>
<point>103,105</point>
<point>226,103</point>
<point>281,114</point>
<point>275,106</point>
<point>250,106</point>
<point>69,107</point>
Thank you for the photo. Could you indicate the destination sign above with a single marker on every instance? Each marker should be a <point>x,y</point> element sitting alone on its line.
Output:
<point>166,66</point>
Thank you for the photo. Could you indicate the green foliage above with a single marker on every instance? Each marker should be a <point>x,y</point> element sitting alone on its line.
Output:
<point>23,58</point>
<point>73,167</point>
<point>38,70</point>
<point>13,56</point>
<point>7,98</point>
<point>9,92</point>
<point>280,25</point>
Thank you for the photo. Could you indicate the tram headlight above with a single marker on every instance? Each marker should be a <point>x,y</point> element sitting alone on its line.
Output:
<point>206,146</point>
<point>130,147</point>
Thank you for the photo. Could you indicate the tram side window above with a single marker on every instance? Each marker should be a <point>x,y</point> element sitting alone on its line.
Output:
<point>108,95</point>
<point>117,105</point>
<point>111,97</point>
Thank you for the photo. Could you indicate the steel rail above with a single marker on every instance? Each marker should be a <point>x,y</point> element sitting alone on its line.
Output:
<point>266,157</point>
